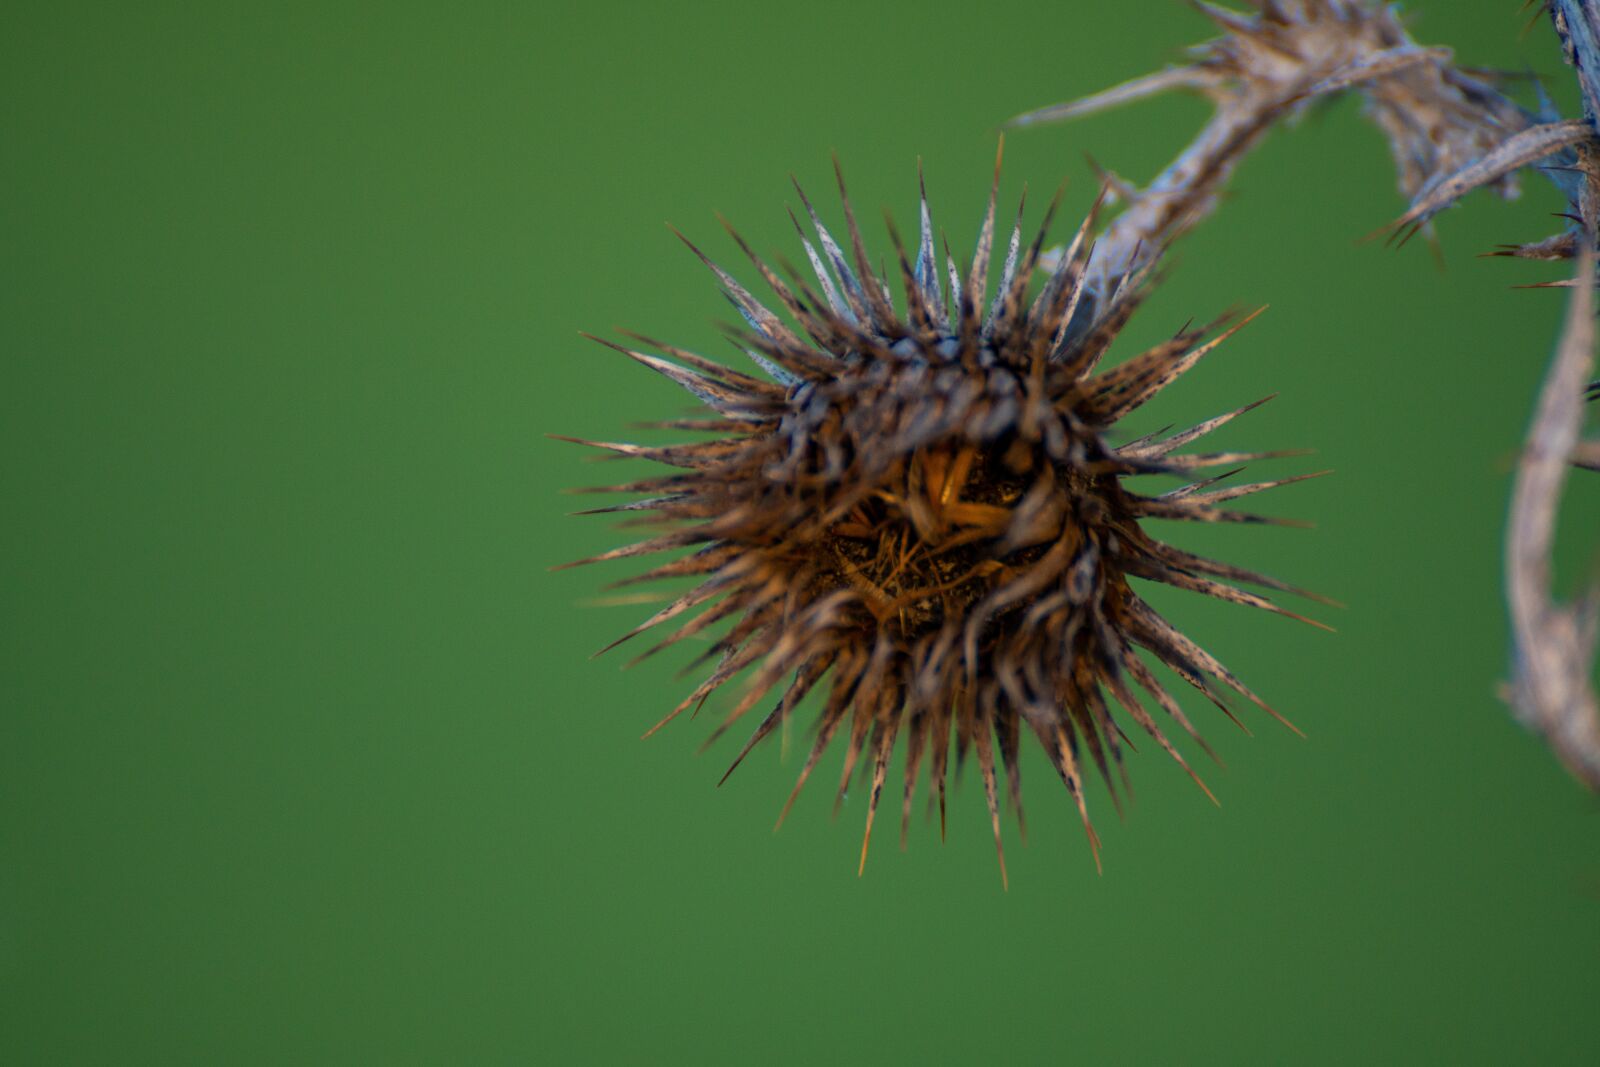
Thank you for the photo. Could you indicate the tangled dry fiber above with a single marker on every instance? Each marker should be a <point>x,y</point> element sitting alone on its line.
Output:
<point>922,508</point>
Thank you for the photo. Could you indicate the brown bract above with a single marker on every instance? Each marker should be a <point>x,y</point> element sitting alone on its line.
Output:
<point>919,513</point>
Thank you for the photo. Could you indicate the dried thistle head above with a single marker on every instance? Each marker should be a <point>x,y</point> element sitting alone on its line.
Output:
<point>920,510</point>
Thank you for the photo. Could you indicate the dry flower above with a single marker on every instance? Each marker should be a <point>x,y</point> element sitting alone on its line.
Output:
<point>921,510</point>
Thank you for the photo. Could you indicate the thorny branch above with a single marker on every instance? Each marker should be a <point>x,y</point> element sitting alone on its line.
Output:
<point>1270,68</point>
<point>1552,688</point>
<point>1449,131</point>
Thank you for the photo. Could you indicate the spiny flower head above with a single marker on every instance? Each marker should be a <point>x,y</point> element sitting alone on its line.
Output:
<point>917,511</point>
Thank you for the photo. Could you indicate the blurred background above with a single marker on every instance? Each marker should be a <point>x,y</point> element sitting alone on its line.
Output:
<point>302,756</point>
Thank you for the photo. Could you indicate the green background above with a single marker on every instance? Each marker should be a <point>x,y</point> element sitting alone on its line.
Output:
<point>302,758</point>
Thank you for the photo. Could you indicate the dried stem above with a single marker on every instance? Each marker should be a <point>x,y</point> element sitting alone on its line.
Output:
<point>1269,67</point>
<point>1552,692</point>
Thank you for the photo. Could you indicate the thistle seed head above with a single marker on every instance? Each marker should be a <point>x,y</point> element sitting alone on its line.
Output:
<point>918,511</point>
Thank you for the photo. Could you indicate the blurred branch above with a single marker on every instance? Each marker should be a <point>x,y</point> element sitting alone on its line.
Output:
<point>1578,25</point>
<point>1552,689</point>
<point>1552,692</point>
<point>1269,67</point>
